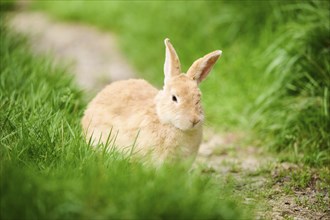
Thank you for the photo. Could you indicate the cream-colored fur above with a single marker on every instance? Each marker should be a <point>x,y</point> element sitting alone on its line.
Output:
<point>165,124</point>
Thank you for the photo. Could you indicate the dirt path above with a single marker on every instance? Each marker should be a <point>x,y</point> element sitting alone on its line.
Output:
<point>93,56</point>
<point>95,59</point>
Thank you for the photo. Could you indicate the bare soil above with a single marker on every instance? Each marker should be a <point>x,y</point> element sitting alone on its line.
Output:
<point>95,59</point>
<point>92,55</point>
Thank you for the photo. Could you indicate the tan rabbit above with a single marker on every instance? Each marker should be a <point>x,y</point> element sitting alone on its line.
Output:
<point>165,124</point>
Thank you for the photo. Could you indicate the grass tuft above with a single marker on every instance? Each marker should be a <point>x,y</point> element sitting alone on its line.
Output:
<point>294,111</point>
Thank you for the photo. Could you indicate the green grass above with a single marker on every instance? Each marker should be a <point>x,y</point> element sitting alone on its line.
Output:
<point>49,172</point>
<point>6,5</point>
<point>296,106</point>
<point>273,77</point>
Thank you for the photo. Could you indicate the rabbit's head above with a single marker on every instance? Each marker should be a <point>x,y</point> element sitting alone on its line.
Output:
<point>179,102</point>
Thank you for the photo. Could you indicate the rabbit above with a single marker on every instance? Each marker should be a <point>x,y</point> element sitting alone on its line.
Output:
<point>165,124</point>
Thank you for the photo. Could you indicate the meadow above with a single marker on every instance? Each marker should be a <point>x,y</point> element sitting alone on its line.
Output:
<point>272,85</point>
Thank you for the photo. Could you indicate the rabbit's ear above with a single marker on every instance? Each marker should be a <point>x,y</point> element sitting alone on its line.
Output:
<point>202,67</point>
<point>172,65</point>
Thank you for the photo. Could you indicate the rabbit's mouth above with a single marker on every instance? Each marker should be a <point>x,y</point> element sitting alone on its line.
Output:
<point>188,125</point>
<point>196,124</point>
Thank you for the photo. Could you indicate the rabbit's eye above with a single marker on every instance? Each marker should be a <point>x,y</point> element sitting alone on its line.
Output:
<point>174,99</point>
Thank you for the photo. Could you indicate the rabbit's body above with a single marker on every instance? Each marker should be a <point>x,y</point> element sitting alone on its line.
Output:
<point>164,124</point>
<point>137,122</point>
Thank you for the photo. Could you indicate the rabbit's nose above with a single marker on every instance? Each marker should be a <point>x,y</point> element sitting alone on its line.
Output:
<point>195,121</point>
